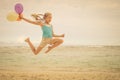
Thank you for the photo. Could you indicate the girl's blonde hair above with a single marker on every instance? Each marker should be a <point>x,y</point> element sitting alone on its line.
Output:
<point>38,16</point>
<point>46,14</point>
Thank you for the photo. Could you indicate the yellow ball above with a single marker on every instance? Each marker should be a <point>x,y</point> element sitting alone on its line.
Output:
<point>12,16</point>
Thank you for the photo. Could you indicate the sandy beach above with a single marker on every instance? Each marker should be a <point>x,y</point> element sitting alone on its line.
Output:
<point>56,75</point>
<point>62,63</point>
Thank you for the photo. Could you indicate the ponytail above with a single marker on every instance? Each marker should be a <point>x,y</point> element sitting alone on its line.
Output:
<point>37,16</point>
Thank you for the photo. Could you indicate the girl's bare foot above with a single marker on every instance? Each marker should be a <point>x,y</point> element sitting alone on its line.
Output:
<point>49,48</point>
<point>27,39</point>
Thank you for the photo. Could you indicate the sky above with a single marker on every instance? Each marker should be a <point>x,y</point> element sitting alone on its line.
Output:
<point>84,22</point>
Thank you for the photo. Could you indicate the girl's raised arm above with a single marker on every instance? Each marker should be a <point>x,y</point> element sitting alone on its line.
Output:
<point>32,22</point>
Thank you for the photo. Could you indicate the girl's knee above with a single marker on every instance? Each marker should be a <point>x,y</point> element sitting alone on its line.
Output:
<point>60,41</point>
<point>38,50</point>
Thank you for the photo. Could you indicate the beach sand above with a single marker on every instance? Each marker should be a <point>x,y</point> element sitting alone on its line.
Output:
<point>62,63</point>
<point>56,75</point>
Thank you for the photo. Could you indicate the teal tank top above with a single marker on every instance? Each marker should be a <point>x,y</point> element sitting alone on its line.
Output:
<point>47,31</point>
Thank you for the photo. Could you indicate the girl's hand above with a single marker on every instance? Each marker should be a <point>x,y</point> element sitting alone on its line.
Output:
<point>21,16</point>
<point>62,35</point>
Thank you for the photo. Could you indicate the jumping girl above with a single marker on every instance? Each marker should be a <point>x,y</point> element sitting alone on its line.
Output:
<point>48,33</point>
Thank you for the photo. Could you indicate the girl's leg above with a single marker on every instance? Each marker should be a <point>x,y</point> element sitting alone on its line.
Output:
<point>55,43</point>
<point>33,48</point>
<point>39,48</point>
